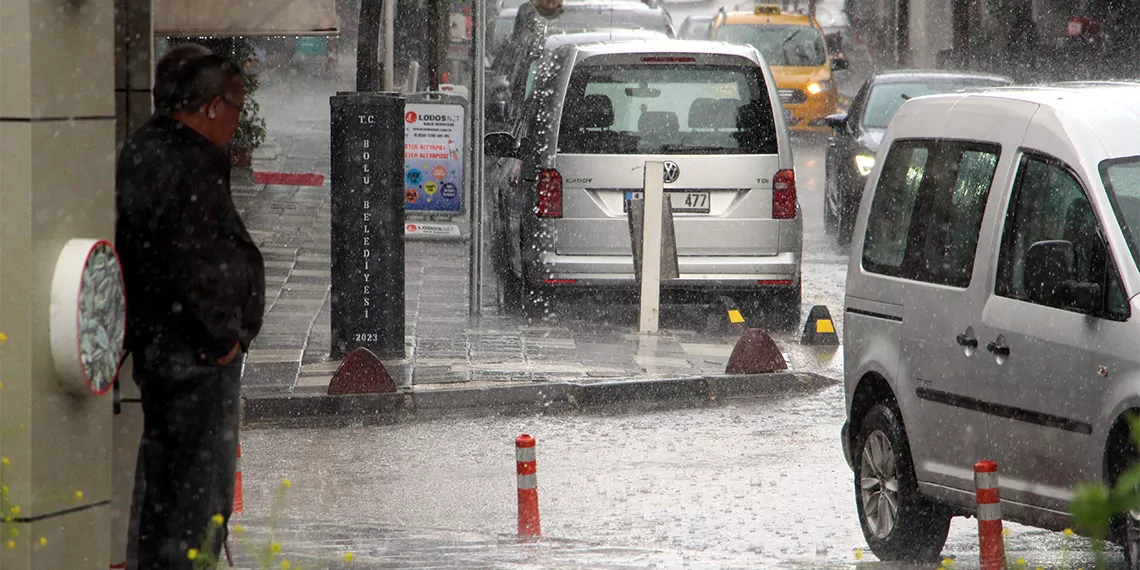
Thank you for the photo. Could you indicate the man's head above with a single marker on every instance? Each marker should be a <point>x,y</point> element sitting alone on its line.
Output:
<point>168,68</point>
<point>208,97</point>
<point>548,8</point>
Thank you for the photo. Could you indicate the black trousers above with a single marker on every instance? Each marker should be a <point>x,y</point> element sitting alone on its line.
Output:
<point>187,457</point>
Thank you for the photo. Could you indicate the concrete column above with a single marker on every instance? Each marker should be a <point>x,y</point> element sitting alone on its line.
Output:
<point>931,31</point>
<point>134,74</point>
<point>57,148</point>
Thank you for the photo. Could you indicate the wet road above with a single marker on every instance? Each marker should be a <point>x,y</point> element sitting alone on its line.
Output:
<point>751,483</point>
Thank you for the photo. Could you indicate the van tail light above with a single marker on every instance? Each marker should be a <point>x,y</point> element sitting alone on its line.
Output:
<point>784,195</point>
<point>549,194</point>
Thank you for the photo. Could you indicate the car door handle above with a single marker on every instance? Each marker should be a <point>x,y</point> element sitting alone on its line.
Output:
<point>997,349</point>
<point>967,341</point>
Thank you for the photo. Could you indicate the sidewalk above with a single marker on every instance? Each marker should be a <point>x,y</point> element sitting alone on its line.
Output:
<point>445,350</point>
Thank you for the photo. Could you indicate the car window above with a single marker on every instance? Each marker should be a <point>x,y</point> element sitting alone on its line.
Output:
<point>800,46</point>
<point>667,109</point>
<point>1121,180</point>
<point>886,98</point>
<point>1050,204</point>
<point>933,239</point>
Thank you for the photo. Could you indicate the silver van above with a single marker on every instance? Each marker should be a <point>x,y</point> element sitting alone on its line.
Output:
<point>598,112</point>
<point>989,310</point>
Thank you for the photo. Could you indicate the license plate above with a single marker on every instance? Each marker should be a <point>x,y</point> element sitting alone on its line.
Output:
<point>683,202</point>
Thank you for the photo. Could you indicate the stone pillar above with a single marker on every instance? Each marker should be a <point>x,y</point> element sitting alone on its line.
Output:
<point>57,150</point>
<point>134,73</point>
<point>931,31</point>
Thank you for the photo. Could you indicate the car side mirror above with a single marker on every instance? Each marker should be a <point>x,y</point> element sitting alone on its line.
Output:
<point>839,63</point>
<point>1051,278</point>
<point>838,121</point>
<point>502,145</point>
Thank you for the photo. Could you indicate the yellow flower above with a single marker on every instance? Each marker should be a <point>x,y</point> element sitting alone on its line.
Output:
<point>858,554</point>
<point>4,489</point>
<point>286,483</point>
<point>275,547</point>
<point>286,565</point>
<point>192,554</point>
<point>79,495</point>
<point>11,545</point>
<point>1006,532</point>
<point>1,385</point>
<point>15,510</point>
<point>238,529</point>
<point>1021,562</point>
<point>947,562</point>
<point>14,532</point>
<point>218,519</point>
<point>3,338</point>
<point>5,461</point>
<point>43,541</point>
<point>1068,532</point>
<point>348,557</point>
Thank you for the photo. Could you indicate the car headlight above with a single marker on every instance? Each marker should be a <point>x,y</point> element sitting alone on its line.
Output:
<point>865,163</point>
<point>820,86</point>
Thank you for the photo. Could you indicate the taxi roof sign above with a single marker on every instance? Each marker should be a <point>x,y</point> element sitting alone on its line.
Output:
<point>766,9</point>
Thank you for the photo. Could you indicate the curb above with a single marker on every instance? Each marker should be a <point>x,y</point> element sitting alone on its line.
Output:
<point>295,410</point>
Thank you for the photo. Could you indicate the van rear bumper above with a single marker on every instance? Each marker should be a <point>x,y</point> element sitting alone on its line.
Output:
<point>722,271</point>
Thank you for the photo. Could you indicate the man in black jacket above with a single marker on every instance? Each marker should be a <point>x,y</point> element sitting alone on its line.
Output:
<point>195,295</point>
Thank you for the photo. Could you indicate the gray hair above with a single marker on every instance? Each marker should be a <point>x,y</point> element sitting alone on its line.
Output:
<point>167,70</point>
<point>202,79</point>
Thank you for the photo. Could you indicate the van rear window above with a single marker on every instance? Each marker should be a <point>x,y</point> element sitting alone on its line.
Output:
<point>658,108</point>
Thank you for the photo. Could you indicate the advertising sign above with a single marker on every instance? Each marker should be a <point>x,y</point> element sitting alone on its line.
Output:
<point>433,157</point>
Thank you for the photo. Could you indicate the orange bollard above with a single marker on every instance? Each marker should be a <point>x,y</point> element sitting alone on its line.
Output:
<point>528,486</point>
<point>992,545</point>
<point>239,501</point>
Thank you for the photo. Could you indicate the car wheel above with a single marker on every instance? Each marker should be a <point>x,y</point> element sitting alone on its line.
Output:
<point>830,224</point>
<point>1126,528</point>
<point>898,523</point>
<point>845,222</point>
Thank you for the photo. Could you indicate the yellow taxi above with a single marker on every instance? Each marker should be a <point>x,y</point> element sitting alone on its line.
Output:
<point>792,43</point>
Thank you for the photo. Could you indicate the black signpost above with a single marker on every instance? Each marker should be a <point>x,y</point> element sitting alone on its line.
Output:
<point>367,145</point>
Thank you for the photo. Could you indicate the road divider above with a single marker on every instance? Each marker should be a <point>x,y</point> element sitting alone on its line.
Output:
<point>990,541</point>
<point>755,353</point>
<point>819,330</point>
<point>525,457</point>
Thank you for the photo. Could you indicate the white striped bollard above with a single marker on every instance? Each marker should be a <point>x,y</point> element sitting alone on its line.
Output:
<point>528,486</point>
<point>990,541</point>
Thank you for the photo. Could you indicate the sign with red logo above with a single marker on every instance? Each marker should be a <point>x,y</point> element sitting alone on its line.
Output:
<point>433,157</point>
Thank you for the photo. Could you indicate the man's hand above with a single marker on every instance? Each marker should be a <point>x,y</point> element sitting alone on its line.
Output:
<point>227,359</point>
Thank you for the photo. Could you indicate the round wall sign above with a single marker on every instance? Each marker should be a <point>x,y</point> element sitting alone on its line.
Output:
<point>88,316</point>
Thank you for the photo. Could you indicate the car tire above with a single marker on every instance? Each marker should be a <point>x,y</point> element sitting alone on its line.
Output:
<point>898,523</point>
<point>1126,528</point>
<point>830,223</point>
<point>845,223</point>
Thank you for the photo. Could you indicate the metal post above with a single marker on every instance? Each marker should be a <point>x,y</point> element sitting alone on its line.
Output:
<point>389,44</point>
<point>475,300</point>
<point>435,41</point>
<point>654,192</point>
<point>367,46</point>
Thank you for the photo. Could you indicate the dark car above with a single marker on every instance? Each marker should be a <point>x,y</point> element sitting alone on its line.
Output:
<point>591,16</point>
<point>851,150</point>
<point>695,28</point>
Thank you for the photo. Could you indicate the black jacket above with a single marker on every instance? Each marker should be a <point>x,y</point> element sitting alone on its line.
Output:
<point>195,280</point>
